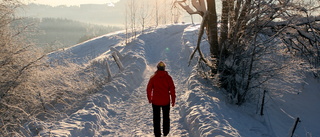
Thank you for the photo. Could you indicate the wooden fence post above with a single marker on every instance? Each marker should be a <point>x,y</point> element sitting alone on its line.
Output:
<point>262,103</point>
<point>294,127</point>
<point>108,70</point>
<point>116,58</point>
<point>118,53</point>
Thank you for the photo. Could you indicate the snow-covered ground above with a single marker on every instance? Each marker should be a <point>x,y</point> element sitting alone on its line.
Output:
<point>121,108</point>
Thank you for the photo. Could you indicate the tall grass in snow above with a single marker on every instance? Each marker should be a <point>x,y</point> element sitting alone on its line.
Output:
<point>31,89</point>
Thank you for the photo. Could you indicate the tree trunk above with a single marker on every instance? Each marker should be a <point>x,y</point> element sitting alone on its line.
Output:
<point>212,30</point>
<point>224,22</point>
<point>231,16</point>
<point>242,20</point>
<point>157,14</point>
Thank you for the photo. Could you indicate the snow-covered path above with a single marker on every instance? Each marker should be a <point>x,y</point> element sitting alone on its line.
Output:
<point>135,114</point>
<point>121,108</point>
<point>131,117</point>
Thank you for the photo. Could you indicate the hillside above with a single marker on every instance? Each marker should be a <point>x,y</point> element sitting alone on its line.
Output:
<point>55,33</point>
<point>121,108</point>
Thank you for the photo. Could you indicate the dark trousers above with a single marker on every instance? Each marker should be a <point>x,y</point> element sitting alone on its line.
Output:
<point>157,119</point>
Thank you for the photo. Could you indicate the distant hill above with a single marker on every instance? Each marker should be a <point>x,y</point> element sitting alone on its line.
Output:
<point>89,13</point>
<point>55,33</point>
<point>63,26</point>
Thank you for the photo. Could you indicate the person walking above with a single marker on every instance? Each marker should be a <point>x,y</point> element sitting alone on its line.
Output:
<point>159,90</point>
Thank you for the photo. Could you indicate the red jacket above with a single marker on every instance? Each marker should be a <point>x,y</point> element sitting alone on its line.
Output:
<point>160,88</point>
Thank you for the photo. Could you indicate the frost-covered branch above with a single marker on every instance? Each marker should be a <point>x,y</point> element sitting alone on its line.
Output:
<point>201,32</point>
<point>187,8</point>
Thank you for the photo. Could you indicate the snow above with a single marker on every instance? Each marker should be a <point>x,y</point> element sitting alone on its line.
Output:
<point>121,107</point>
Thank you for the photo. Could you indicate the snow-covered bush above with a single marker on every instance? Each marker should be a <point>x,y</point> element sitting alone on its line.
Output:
<point>17,60</point>
<point>261,65</point>
<point>31,88</point>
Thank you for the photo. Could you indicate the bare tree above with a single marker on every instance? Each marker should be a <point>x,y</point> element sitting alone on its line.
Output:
<point>162,12</point>
<point>145,13</point>
<point>126,24</point>
<point>157,13</point>
<point>175,13</point>
<point>132,12</point>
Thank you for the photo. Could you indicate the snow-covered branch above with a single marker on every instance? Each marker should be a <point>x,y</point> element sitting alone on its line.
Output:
<point>299,22</point>
<point>199,5</point>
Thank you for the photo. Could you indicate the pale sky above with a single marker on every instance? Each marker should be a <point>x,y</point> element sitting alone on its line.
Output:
<point>70,2</point>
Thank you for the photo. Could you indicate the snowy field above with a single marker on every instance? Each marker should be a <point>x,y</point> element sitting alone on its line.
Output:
<point>121,107</point>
